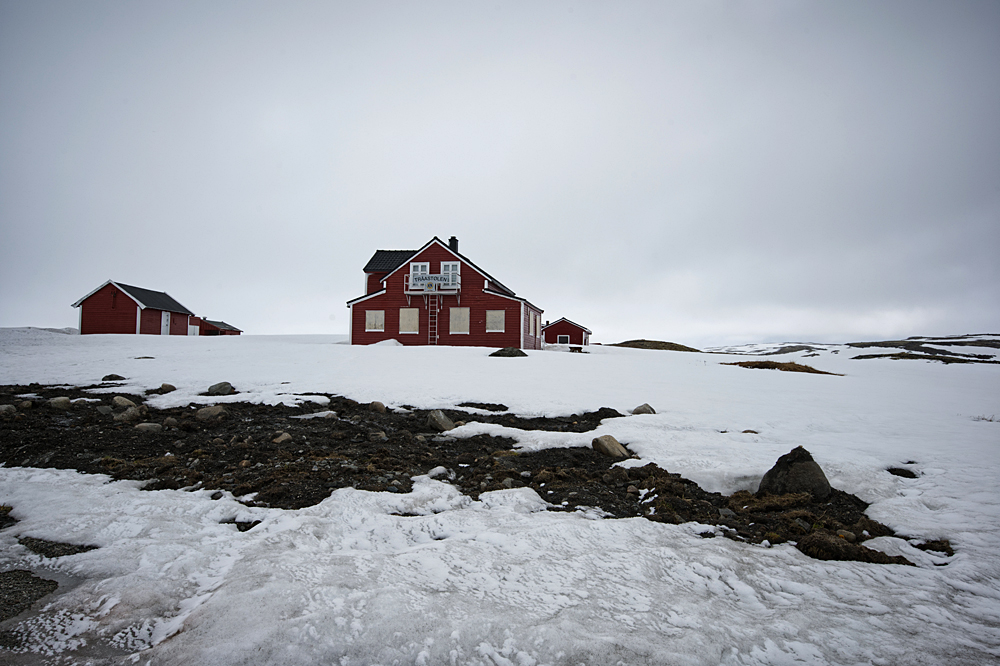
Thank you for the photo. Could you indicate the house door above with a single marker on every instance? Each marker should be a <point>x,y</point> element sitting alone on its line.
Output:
<point>164,323</point>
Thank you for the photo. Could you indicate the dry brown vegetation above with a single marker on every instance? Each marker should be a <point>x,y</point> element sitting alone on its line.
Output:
<point>654,344</point>
<point>790,366</point>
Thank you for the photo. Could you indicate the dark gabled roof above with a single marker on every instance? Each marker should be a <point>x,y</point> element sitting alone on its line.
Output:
<point>386,261</point>
<point>157,300</point>
<point>496,283</point>
<point>584,328</point>
<point>221,325</point>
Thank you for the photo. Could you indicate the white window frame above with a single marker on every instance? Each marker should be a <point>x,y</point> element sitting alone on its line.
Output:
<point>420,267</point>
<point>416,328</point>
<point>372,323</point>
<point>562,339</point>
<point>503,321</point>
<point>446,269</point>
<point>451,321</point>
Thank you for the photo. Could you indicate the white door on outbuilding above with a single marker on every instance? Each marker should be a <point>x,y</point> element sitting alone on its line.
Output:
<point>164,323</point>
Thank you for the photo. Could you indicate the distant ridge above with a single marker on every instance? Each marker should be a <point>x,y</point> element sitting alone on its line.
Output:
<point>654,344</point>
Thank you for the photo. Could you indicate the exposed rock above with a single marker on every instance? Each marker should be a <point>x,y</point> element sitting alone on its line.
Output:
<point>377,406</point>
<point>824,546</point>
<point>644,408</point>
<point>118,402</point>
<point>26,404</point>
<point>8,409</point>
<point>850,537</point>
<point>62,402</point>
<point>112,378</point>
<point>508,352</point>
<point>206,413</point>
<point>133,413</point>
<point>148,427</point>
<point>104,409</point>
<point>222,388</point>
<point>377,436</point>
<point>796,472</point>
<point>438,421</point>
<point>282,438</point>
<point>609,446</point>
<point>170,422</point>
<point>167,388</point>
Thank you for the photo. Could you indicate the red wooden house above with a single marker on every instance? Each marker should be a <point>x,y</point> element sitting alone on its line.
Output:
<point>121,308</point>
<point>564,332</point>
<point>436,296</point>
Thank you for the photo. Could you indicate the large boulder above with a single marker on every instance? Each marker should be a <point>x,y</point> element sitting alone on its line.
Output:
<point>222,388</point>
<point>8,409</point>
<point>609,446</point>
<point>439,421</point>
<point>644,408</point>
<point>133,413</point>
<point>62,402</point>
<point>112,378</point>
<point>796,472</point>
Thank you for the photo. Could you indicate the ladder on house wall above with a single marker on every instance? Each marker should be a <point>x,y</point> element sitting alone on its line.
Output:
<point>433,307</point>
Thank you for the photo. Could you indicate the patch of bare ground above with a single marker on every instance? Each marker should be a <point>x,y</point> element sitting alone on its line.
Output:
<point>790,366</point>
<point>268,456</point>
<point>654,344</point>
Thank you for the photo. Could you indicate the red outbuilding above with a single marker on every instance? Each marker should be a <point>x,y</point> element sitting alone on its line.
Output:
<point>564,332</point>
<point>121,308</point>
<point>436,296</point>
<point>209,327</point>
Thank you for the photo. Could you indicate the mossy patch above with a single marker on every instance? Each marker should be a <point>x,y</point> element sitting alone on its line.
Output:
<point>790,366</point>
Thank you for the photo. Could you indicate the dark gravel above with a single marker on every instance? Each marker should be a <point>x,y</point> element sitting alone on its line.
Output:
<point>380,451</point>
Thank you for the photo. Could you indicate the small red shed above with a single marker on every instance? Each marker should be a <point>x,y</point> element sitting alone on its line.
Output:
<point>436,296</point>
<point>564,332</point>
<point>121,308</point>
<point>209,327</point>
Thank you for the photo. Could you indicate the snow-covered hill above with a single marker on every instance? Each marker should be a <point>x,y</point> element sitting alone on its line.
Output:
<point>431,577</point>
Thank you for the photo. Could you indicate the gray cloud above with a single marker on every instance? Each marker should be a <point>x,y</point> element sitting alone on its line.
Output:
<point>705,172</point>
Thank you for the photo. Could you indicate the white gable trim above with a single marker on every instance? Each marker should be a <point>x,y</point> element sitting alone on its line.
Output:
<point>134,300</point>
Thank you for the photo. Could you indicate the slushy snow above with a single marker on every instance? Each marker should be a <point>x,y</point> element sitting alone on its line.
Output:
<point>433,577</point>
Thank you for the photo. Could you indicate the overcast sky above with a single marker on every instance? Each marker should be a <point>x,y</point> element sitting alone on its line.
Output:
<point>698,172</point>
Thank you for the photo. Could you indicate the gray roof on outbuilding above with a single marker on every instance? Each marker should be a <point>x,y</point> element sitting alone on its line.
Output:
<point>386,261</point>
<point>221,325</point>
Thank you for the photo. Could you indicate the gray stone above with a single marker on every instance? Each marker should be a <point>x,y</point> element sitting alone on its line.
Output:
<point>148,427</point>
<point>104,409</point>
<point>62,402</point>
<point>112,378</point>
<point>206,413</point>
<point>508,352</point>
<point>644,408</point>
<point>438,421</point>
<point>796,472</point>
<point>849,537</point>
<point>609,446</point>
<point>133,413</point>
<point>282,438</point>
<point>377,436</point>
<point>727,513</point>
<point>377,406</point>
<point>170,422</point>
<point>222,388</point>
<point>8,409</point>
<point>26,404</point>
<point>167,388</point>
<point>118,402</point>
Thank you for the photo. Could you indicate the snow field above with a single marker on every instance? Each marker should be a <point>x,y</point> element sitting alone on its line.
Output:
<point>432,577</point>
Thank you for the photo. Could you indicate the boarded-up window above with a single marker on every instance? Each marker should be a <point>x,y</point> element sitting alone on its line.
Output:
<point>495,321</point>
<point>531,323</point>
<point>409,320</point>
<point>374,320</point>
<point>458,321</point>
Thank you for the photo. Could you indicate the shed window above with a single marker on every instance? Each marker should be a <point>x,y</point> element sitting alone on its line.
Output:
<point>409,320</point>
<point>562,339</point>
<point>375,320</point>
<point>458,321</point>
<point>495,321</point>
